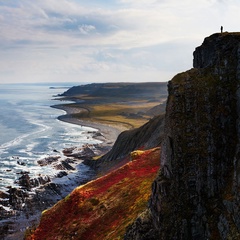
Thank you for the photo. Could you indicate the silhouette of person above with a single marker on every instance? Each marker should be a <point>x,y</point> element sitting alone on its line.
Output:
<point>221,29</point>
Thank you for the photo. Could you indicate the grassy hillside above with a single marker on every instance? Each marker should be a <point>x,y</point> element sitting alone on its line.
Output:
<point>103,208</point>
<point>122,105</point>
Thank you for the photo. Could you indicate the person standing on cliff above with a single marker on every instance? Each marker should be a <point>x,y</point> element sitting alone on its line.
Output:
<point>221,29</point>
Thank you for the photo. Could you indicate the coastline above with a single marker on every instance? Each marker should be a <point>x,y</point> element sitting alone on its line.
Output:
<point>108,133</point>
<point>27,214</point>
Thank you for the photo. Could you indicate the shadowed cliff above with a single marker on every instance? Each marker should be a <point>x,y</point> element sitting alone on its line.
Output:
<point>145,137</point>
<point>139,106</point>
<point>196,194</point>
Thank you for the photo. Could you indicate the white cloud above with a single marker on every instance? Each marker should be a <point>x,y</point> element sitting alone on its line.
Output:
<point>86,29</point>
<point>155,36</point>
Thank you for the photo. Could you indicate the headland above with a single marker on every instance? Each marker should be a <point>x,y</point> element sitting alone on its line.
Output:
<point>109,114</point>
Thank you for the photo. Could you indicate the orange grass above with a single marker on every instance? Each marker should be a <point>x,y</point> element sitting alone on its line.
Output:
<point>103,208</point>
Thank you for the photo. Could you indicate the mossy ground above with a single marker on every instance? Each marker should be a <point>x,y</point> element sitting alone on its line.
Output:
<point>103,208</point>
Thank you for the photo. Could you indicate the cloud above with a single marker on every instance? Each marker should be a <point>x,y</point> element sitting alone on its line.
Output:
<point>53,38</point>
<point>86,29</point>
<point>54,22</point>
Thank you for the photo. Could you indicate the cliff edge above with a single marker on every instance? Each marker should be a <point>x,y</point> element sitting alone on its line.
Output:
<point>196,193</point>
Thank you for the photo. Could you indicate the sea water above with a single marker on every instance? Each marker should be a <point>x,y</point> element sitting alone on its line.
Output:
<point>30,130</point>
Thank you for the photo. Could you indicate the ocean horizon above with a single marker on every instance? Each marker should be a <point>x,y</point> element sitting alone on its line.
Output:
<point>30,130</point>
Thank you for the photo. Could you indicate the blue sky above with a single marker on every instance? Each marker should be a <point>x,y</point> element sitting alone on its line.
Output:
<point>106,40</point>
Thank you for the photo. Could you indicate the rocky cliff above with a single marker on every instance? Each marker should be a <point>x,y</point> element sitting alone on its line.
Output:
<point>147,136</point>
<point>196,193</point>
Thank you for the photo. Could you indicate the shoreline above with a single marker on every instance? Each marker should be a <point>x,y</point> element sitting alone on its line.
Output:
<point>15,223</point>
<point>108,135</point>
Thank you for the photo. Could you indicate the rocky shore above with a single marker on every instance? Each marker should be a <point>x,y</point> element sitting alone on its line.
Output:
<point>22,206</point>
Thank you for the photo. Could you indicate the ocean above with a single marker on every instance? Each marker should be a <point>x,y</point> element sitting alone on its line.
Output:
<point>30,130</point>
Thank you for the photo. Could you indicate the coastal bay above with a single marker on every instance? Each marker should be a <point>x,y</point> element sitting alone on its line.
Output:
<point>28,204</point>
<point>107,119</point>
<point>33,187</point>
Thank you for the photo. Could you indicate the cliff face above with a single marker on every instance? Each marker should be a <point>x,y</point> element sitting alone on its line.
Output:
<point>196,194</point>
<point>145,137</point>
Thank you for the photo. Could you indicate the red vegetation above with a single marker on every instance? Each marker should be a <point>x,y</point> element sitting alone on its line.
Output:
<point>103,208</point>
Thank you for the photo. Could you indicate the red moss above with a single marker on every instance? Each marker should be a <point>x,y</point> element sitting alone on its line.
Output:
<point>101,209</point>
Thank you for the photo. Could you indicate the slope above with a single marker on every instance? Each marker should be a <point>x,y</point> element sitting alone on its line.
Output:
<point>101,209</point>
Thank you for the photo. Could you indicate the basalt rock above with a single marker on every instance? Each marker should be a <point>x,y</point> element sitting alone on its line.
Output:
<point>25,182</point>
<point>39,181</point>
<point>64,165</point>
<point>196,193</point>
<point>48,160</point>
<point>85,152</point>
<point>17,198</point>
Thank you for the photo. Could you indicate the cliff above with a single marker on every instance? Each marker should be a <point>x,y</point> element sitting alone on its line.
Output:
<point>147,136</point>
<point>196,193</point>
<point>139,106</point>
<point>104,207</point>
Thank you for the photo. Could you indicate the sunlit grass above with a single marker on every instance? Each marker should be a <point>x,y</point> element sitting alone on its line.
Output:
<point>126,115</point>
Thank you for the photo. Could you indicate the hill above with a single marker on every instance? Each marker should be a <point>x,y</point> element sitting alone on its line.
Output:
<point>153,91</point>
<point>103,208</point>
<point>121,105</point>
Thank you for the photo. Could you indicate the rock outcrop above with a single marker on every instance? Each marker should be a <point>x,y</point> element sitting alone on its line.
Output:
<point>196,193</point>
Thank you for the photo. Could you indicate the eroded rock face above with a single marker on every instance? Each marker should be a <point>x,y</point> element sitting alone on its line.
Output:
<point>196,194</point>
<point>145,137</point>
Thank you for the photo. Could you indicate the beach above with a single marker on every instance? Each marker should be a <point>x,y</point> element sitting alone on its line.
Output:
<point>108,133</point>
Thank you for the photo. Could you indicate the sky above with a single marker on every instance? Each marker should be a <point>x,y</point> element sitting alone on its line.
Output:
<point>106,40</point>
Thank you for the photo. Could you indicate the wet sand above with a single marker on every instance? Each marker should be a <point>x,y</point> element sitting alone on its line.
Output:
<point>109,133</point>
